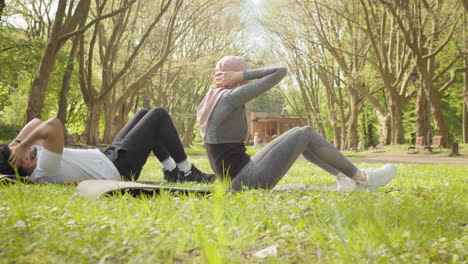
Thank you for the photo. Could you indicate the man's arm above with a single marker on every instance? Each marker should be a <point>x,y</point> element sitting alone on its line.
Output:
<point>25,131</point>
<point>51,132</point>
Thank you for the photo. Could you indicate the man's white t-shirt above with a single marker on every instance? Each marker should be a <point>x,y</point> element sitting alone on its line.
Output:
<point>73,165</point>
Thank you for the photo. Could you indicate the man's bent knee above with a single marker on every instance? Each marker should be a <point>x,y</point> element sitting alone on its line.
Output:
<point>159,110</point>
<point>141,112</point>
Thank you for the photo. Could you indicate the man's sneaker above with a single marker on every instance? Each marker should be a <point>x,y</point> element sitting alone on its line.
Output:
<point>171,176</point>
<point>195,175</point>
<point>345,184</point>
<point>377,177</point>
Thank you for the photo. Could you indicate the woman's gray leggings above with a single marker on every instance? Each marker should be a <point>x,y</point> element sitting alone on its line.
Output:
<point>271,163</point>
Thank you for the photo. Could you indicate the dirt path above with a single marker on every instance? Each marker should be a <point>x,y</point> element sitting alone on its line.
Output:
<point>411,158</point>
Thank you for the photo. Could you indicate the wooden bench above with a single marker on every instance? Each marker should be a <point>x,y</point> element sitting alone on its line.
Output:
<point>418,145</point>
<point>437,143</point>
<point>379,147</point>
<point>359,147</point>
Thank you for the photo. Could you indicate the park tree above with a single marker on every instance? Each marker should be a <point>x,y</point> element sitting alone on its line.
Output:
<point>465,77</point>
<point>337,105</point>
<point>63,102</point>
<point>35,17</point>
<point>114,48</point>
<point>185,78</point>
<point>378,46</point>
<point>296,54</point>
<point>64,24</point>
<point>2,6</point>
<point>68,18</point>
<point>465,3</point>
<point>23,34</point>
<point>394,62</point>
<point>315,72</point>
<point>350,62</point>
<point>335,29</point>
<point>427,28</point>
<point>137,47</point>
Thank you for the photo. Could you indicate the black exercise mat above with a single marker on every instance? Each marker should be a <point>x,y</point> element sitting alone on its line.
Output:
<point>93,189</point>
<point>11,179</point>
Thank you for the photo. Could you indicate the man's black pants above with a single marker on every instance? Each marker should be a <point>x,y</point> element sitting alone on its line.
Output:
<point>147,131</point>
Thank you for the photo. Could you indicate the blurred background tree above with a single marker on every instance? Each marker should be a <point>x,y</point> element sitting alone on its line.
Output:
<point>359,70</point>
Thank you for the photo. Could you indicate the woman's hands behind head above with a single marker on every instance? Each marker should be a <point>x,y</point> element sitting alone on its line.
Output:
<point>228,79</point>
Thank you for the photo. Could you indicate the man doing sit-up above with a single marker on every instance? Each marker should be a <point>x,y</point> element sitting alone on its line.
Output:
<point>38,152</point>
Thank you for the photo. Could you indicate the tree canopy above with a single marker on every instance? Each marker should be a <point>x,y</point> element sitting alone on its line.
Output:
<point>359,70</point>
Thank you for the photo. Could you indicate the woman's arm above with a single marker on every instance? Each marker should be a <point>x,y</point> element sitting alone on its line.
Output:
<point>267,78</point>
<point>25,131</point>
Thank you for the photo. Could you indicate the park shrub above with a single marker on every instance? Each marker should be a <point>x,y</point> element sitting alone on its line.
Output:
<point>8,132</point>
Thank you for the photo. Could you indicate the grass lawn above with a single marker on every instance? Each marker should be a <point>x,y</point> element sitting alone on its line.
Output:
<point>197,149</point>
<point>421,217</point>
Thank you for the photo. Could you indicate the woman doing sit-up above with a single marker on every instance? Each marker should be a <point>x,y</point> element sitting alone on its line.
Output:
<point>223,127</point>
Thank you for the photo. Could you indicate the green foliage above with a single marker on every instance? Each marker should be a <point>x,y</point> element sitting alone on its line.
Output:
<point>369,127</point>
<point>292,102</point>
<point>419,217</point>
<point>8,132</point>
<point>270,102</point>
<point>19,57</point>
<point>222,30</point>
<point>409,121</point>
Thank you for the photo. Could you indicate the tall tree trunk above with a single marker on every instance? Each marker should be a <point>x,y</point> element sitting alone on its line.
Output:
<point>334,123</point>
<point>319,126</point>
<point>386,124</point>
<point>41,79</point>
<point>115,117</point>
<point>465,78</point>
<point>396,116</point>
<point>2,6</point>
<point>188,135</point>
<point>110,116</point>
<point>337,137</point>
<point>91,132</point>
<point>352,138</point>
<point>465,3</point>
<point>422,124</point>
<point>63,29</point>
<point>440,126</point>
<point>465,112</point>
<point>343,120</point>
<point>122,117</point>
<point>62,110</point>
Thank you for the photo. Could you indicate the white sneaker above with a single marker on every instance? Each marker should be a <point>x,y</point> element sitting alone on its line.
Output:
<point>376,177</point>
<point>345,184</point>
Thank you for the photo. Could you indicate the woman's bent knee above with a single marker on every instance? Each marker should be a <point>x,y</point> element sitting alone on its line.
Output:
<point>308,130</point>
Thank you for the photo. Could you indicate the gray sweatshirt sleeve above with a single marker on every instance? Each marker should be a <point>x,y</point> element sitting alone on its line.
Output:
<point>268,77</point>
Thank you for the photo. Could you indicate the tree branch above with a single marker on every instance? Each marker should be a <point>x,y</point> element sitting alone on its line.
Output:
<point>94,21</point>
<point>453,75</point>
<point>446,41</point>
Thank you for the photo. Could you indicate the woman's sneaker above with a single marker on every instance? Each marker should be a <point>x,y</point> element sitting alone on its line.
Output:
<point>195,175</point>
<point>376,177</point>
<point>171,176</point>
